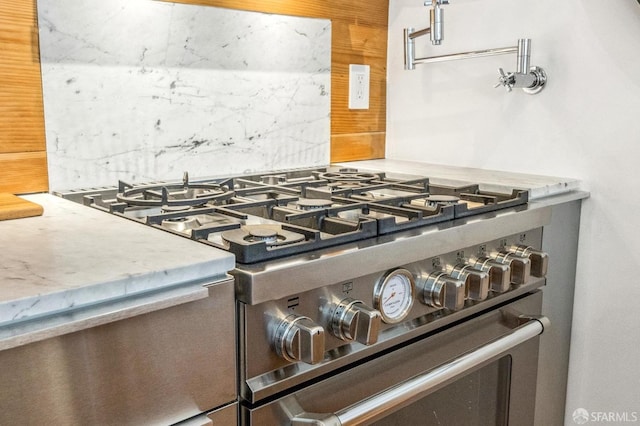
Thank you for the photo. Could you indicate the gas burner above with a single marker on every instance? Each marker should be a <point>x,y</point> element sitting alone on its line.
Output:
<point>273,179</point>
<point>312,204</point>
<point>348,176</point>
<point>440,200</point>
<point>271,235</point>
<point>172,195</point>
<point>181,224</point>
<point>175,209</point>
<point>262,233</point>
<point>340,185</point>
<point>376,196</point>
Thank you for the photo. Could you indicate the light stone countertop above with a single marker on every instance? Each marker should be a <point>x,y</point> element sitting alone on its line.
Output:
<point>490,180</point>
<point>75,256</point>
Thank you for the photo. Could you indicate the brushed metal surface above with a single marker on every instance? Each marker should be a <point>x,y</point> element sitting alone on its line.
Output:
<point>263,373</point>
<point>560,242</point>
<point>254,283</point>
<point>66,322</point>
<point>157,368</point>
<point>346,388</point>
<point>377,406</point>
<point>223,416</point>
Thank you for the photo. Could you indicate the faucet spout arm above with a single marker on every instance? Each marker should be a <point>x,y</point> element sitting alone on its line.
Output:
<point>415,34</point>
<point>435,30</point>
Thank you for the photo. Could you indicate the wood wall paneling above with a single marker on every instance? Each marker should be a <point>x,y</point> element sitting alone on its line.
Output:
<point>357,146</point>
<point>23,165</point>
<point>359,36</point>
<point>23,172</point>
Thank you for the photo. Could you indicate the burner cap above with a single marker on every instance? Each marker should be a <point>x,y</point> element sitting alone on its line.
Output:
<point>180,224</point>
<point>273,179</point>
<point>346,185</point>
<point>271,235</point>
<point>344,176</point>
<point>434,200</point>
<point>375,195</point>
<point>175,209</point>
<point>312,203</point>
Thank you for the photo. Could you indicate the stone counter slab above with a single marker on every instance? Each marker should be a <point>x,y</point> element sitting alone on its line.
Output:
<point>75,256</point>
<point>490,180</point>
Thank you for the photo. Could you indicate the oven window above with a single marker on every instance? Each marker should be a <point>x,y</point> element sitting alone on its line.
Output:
<point>479,398</point>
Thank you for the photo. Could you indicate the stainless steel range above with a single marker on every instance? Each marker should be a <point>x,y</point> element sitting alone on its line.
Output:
<point>367,297</point>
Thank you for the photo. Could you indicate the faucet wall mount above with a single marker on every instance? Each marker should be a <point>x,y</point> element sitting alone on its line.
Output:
<point>530,79</point>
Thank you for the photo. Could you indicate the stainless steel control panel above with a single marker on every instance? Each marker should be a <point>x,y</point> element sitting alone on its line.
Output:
<point>385,307</point>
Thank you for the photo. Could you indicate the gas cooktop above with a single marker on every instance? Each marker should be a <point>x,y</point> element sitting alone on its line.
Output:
<point>273,215</point>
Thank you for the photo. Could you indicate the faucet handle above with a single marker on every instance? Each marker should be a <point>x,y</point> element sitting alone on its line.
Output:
<point>506,80</point>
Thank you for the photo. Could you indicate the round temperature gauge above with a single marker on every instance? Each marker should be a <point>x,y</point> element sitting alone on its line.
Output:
<point>393,295</point>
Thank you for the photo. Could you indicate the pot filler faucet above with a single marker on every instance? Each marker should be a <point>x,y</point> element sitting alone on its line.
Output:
<point>436,28</point>
<point>530,79</point>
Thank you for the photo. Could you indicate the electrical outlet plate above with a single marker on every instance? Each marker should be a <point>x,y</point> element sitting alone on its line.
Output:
<point>359,86</point>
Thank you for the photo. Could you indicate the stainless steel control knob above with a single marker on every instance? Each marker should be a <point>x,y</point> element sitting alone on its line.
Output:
<point>476,282</point>
<point>353,320</point>
<point>499,273</point>
<point>442,291</point>
<point>298,338</point>
<point>539,259</point>
<point>520,266</point>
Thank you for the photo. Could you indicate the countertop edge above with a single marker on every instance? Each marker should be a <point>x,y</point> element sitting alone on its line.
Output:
<point>53,325</point>
<point>46,296</point>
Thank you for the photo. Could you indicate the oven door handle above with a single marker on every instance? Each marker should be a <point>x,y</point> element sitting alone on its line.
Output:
<point>423,384</point>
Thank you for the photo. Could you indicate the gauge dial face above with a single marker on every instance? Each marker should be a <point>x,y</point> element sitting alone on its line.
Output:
<point>393,295</point>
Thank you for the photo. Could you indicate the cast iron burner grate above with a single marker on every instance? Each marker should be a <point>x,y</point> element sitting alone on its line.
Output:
<point>269,216</point>
<point>172,195</point>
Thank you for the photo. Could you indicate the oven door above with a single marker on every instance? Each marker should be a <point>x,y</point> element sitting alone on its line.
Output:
<point>481,371</point>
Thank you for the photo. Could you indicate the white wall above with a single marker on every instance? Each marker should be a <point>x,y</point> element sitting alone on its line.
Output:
<point>585,124</point>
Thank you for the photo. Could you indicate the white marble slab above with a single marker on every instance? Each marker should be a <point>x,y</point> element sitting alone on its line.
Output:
<point>141,90</point>
<point>74,256</point>
<point>490,180</point>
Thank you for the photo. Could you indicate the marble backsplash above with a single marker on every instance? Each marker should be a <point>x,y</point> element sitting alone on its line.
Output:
<point>140,90</point>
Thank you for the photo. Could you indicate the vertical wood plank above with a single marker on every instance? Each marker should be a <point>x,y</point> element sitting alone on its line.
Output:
<point>21,108</point>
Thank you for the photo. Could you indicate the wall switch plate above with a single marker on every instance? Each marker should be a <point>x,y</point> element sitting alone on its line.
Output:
<point>359,86</point>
